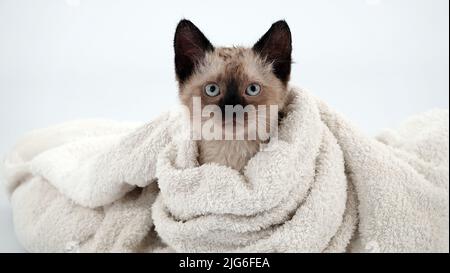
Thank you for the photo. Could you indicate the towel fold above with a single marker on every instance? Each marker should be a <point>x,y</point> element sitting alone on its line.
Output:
<point>322,186</point>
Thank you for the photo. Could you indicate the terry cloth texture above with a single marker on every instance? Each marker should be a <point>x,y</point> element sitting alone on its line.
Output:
<point>323,186</point>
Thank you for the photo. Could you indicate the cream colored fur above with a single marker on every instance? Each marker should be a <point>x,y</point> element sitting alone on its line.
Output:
<point>247,67</point>
<point>322,187</point>
<point>231,153</point>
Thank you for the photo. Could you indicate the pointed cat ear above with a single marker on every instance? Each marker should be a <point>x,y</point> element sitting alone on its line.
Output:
<point>276,47</point>
<point>190,47</point>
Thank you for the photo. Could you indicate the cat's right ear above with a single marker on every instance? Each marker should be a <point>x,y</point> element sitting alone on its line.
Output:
<point>190,48</point>
<point>276,48</point>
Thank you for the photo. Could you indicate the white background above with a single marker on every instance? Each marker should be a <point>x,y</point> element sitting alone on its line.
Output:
<point>376,61</point>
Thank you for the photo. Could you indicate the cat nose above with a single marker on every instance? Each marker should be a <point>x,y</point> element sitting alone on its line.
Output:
<point>230,101</point>
<point>232,96</point>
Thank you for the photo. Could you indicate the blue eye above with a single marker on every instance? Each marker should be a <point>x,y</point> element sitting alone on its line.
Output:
<point>253,89</point>
<point>212,90</point>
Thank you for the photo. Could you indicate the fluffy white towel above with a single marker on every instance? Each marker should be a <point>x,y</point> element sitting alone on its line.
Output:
<point>322,187</point>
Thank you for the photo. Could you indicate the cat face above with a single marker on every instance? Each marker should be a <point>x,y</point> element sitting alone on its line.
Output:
<point>234,76</point>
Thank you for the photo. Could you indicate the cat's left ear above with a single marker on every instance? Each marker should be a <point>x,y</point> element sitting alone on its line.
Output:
<point>190,46</point>
<point>276,47</point>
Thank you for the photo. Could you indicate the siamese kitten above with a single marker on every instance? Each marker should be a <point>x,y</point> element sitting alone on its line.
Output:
<point>232,76</point>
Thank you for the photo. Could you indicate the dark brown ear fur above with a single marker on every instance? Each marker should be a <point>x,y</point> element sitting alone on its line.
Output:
<point>276,47</point>
<point>190,47</point>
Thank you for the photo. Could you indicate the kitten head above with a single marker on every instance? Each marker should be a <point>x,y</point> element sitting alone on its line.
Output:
<point>234,76</point>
